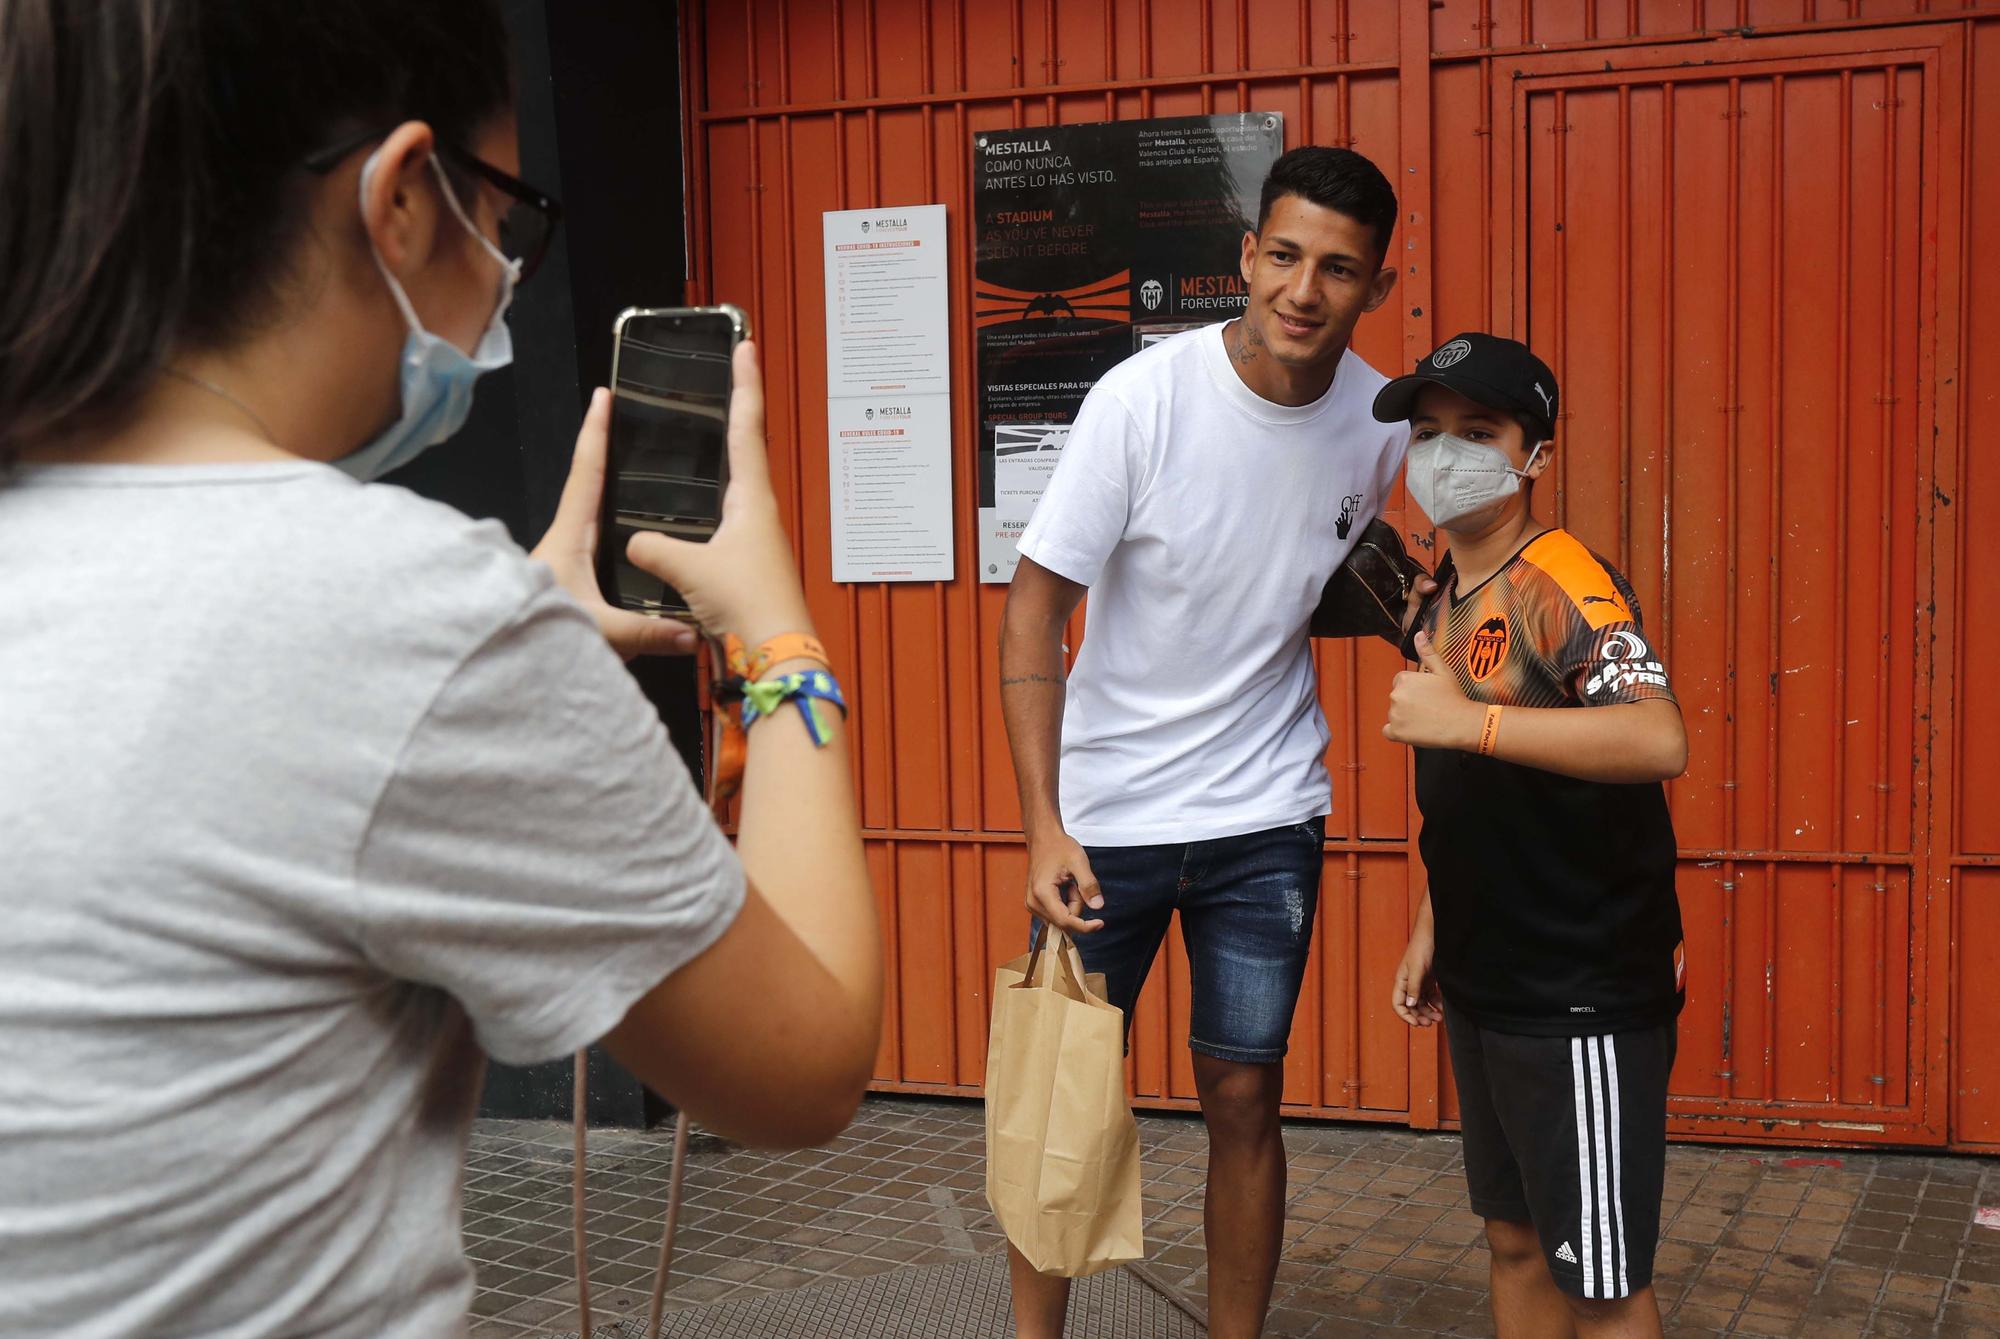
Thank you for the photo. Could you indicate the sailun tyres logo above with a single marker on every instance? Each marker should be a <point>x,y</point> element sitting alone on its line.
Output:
<point>1150,293</point>
<point>1628,664</point>
<point>1622,645</point>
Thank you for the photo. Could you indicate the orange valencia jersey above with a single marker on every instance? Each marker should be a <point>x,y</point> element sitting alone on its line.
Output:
<point>1553,897</point>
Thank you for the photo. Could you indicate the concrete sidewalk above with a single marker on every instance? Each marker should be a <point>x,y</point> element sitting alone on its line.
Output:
<point>1379,1241</point>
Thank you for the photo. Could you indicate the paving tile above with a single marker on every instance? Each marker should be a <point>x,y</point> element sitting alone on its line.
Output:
<point>1695,1318</point>
<point>1378,1239</point>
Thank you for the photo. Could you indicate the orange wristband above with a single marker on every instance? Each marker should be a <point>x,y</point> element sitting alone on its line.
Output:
<point>1489,733</point>
<point>785,646</point>
<point>732,747</point>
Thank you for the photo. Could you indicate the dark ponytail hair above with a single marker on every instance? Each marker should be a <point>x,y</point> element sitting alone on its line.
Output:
<point>151,193</point>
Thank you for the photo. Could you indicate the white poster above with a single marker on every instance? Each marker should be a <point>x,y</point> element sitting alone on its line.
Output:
<point>1024,456</point>
<point>888,386</point>
<point>891,488</point>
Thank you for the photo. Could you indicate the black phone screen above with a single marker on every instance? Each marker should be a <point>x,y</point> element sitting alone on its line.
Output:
<point>669,456</point>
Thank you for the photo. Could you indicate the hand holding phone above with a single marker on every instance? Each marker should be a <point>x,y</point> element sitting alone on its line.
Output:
<point>669,463</point>
<point>570,548</point>
<point>744,579</point>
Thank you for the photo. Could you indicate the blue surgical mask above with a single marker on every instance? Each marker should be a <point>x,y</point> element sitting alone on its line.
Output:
<point>437,376</point>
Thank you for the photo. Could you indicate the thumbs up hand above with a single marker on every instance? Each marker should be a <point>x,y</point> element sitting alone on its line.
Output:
<point>1426,708</point>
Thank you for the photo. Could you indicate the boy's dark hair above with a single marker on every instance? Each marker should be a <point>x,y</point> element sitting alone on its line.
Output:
<point>151,193</point>
<point>1334,179</point>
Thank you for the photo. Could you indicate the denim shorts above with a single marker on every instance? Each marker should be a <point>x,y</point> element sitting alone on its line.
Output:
<point>1246,906</point>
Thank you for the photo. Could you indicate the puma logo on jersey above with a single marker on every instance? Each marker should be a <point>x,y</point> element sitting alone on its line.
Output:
<point>1604,599</point>
<point>1565,1254</point>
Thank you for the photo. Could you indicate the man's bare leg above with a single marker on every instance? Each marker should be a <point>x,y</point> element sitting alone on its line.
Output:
<point>1526,1302</point>
<point>1634,1317</point>
<point>1244,1216</point>
<point>1040,1300</point>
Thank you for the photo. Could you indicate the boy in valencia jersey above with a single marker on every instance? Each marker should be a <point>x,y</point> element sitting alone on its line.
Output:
<point>1550,940</point>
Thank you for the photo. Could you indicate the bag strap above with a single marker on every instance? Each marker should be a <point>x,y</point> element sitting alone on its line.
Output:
<point>1066,955</point>
<point>1044,932</point>
<point>675,1178</point>
<point>720,758</point>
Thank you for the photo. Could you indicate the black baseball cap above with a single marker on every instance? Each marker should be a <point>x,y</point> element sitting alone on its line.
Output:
<point>1498,373</point>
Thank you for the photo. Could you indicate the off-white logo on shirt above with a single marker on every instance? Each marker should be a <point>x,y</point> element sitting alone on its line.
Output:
<point>1349,506</point>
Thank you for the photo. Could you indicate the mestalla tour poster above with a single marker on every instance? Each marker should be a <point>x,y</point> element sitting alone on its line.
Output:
<point>1092,242</point>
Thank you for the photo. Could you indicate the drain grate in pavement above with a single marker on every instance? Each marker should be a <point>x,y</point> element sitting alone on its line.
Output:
<point>962,1299</point>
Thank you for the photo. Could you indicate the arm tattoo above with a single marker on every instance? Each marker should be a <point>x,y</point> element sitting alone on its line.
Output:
<point>1006,682</point>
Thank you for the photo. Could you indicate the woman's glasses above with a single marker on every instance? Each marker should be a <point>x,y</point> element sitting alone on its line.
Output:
<point>526,227</point>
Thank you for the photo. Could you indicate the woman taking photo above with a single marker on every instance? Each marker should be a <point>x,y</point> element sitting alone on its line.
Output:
<point>311,791</point>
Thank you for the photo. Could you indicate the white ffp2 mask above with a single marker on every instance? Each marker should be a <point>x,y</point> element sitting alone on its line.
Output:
<point>1451,478</point>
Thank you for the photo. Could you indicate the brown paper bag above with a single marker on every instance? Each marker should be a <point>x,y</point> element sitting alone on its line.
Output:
<point>1062,1149</point>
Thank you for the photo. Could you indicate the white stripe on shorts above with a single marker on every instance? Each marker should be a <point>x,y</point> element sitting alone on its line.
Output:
<point>1587,1239</point>
<point>1611,1084</point>
<point>1591,1047</point>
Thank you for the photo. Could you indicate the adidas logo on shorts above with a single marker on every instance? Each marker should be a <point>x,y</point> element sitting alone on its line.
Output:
<point>1565,1254</point>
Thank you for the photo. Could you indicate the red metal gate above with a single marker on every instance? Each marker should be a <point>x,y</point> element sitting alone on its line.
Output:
<point>1750,256</point>
<point>1734,269</point>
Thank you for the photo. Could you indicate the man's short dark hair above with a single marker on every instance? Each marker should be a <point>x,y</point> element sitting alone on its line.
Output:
<point>1334,179</point>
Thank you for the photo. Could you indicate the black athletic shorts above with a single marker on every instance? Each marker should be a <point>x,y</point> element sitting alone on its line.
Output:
<point>1570,1134</point>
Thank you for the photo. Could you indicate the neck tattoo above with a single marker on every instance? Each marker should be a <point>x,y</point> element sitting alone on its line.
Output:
<point>1248,341</point>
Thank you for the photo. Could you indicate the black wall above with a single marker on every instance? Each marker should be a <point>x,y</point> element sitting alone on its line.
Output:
<point>599,106</point>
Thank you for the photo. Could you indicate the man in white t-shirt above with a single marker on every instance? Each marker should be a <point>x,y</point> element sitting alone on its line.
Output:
<point>1210,486</point>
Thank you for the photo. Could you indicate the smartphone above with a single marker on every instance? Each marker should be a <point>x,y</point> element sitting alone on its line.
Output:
<point>669,450</point>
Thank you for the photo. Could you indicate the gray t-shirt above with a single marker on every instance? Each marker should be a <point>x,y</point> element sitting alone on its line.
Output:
<point>309,791</point>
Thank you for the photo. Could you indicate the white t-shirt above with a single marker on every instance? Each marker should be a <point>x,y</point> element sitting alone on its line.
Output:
<point>1205,520</point>
<point>309,792</point>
